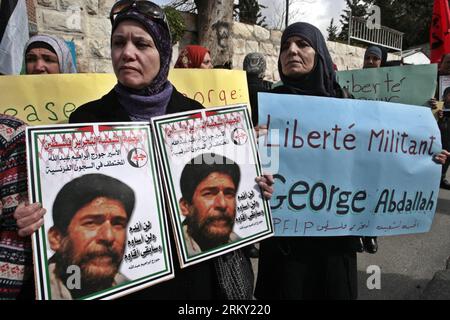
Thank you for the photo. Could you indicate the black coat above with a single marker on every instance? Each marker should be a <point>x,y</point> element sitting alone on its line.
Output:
<point>307,267</point>
<point>194,282</point>
<point>256,85</point>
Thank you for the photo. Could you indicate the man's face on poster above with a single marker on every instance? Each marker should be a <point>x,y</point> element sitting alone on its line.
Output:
<point>95,239</point>
<point>213,209</point>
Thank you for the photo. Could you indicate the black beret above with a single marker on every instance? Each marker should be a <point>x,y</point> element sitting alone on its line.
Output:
<point>80,191</point>
<point>200,167</point>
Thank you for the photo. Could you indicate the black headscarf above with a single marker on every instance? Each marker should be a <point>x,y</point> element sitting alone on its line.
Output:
<point>321,81</point>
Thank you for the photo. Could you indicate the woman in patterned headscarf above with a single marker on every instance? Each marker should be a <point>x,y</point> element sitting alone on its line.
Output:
<point>18,220</point>
<point>141,50</point>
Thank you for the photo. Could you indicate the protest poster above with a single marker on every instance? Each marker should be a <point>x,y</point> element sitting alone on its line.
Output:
<point>414,84</point>
<point>105,232</point>
<point>444,83</point>
<point>349,167</point>
<point>209,162</point>
<point>50,99</point>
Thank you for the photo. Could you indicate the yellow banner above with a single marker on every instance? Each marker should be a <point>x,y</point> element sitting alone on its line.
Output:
<point>50,99</point>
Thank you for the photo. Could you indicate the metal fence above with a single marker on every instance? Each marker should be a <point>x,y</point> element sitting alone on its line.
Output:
<point>383,36</point>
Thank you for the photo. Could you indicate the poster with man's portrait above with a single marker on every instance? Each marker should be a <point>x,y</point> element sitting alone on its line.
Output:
<point>105,231</point>
<point>210,162</point>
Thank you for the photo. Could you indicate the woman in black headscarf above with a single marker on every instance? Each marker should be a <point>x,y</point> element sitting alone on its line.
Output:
<point>307,267</point>
<point>304,64</point>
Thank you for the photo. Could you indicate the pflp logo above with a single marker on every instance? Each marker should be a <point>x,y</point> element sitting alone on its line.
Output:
<point>137,158</point>
<point>239,136</point>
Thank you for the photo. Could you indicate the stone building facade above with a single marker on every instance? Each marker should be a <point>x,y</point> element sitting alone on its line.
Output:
<point>249,38</point>
<point>86,23</point>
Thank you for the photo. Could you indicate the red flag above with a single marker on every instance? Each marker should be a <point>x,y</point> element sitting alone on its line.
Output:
<point>439,31</point>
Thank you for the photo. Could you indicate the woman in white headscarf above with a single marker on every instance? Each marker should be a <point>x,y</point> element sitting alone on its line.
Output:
<point>46,54</point>
<point>18,219</point>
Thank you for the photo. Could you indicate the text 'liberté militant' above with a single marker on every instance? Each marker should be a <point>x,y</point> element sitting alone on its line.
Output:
<point>340,138</point>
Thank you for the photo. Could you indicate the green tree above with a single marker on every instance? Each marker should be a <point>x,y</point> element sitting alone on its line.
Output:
<point>332,31</point>
<point>412,17</point>
<point>246,11</point>
<point>356,8</point>
<point>176,23</point>
<point>249,11</point>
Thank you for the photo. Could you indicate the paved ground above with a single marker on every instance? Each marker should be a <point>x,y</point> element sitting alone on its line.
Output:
<point>409,263</point>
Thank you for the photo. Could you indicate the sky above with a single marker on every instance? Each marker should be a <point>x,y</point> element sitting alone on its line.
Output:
<point>316,12</point>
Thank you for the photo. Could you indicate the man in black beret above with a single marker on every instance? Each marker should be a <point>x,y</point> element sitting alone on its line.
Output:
<point>90,216</point>
<point>209,184</point>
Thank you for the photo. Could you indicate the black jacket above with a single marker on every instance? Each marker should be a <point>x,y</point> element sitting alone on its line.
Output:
<point>194,282</point>
<point>256,85</point>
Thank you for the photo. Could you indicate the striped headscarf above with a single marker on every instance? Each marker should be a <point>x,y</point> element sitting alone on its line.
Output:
<point>61,49</point>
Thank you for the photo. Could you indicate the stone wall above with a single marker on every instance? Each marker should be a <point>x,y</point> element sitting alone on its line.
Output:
<point>248,38</point>
<point>86,23</point>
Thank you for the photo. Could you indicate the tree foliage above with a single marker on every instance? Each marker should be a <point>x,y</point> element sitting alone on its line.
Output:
<point>249,11</point>
<point>332,31</point>
<point>184,5</point>
<point>246,11</point>
<point>176,23</point>
<point>355,8</point>
<point>412,17</point>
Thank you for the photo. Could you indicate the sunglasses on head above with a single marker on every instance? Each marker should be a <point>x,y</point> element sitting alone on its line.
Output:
<point>147,8</point>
